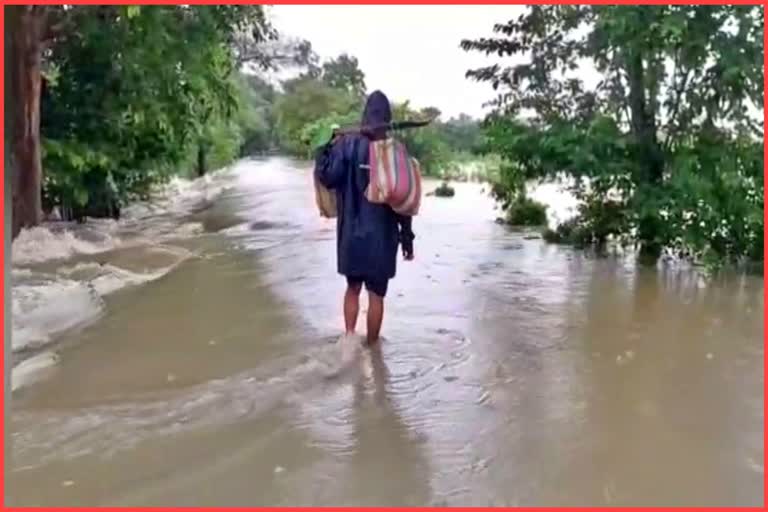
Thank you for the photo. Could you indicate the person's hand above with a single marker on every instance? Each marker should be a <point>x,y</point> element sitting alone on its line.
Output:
<point>406,242</point>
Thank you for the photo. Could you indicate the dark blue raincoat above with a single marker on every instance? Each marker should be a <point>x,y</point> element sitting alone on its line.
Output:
<point>367,234</point>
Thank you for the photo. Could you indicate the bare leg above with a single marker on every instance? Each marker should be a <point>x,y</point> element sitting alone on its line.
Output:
<point>351,307</point>
<point>375,317</point>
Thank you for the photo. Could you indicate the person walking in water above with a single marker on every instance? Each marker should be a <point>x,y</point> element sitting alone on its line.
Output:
<point>368,234</point>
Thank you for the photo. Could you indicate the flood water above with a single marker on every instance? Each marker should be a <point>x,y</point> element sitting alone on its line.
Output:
<point>512,372</point>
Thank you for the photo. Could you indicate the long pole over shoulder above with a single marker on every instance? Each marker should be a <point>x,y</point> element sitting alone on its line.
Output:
<point>334,132</point>
<point>391,126</point>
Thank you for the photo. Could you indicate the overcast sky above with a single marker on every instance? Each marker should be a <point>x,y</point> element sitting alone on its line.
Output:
<point>409,51</point>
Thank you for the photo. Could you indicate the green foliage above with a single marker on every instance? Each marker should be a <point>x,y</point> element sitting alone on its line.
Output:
<point>307,100</point>
<point>595,224</point>
<point>136,89</point>
<point>445,190</point>
<point>85,167</point>
<point>424,144</point>
<point>663,150</point>
<point>564,233</point>
<point>714,203</point>
<point>462,134</point>
<point>343,73</point>
<point>255,114</point>
<point>320,132</point>
<point>524,211</point>
<point>223,139</point>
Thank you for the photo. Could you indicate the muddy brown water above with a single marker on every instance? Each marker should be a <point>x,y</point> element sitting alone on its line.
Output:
<point>513,373</point>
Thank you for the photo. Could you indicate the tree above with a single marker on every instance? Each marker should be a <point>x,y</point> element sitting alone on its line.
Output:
<point>268,51</point>
<point>130,93</point>
<point>463,134</point>
<point>9,128</point>
<point>431,113</point>
<point>255,114</point>
<point>306,101</point>
<point>344,73</point>
<point>120,93</point>
<point>670,78</point>
<point>28,27</point>
<point>425,144</point>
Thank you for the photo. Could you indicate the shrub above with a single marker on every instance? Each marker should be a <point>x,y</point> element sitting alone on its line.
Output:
<point>445,190</point>
<point>524,211</point>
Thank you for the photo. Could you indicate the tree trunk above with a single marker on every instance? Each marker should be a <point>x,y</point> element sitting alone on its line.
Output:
<point>27,24</point>
<point>643,125</point>
<point>202,160</point>
<point>9,166</point>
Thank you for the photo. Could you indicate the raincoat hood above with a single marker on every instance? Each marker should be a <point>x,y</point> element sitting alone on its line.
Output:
<point>377,110</point>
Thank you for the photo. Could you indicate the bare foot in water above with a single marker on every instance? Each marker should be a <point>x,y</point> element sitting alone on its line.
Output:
<point>373,342</point>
